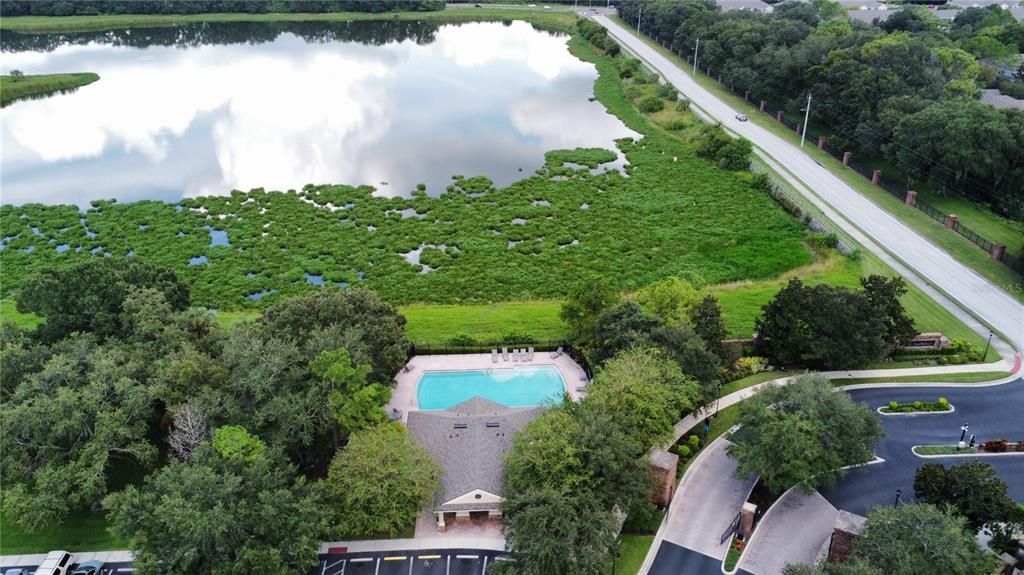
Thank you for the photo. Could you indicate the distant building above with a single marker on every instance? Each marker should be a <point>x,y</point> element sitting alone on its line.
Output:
<point>469,441</point>
<point>753,5</point>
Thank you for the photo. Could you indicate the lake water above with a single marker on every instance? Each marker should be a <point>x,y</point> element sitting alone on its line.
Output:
<point>202,110</point>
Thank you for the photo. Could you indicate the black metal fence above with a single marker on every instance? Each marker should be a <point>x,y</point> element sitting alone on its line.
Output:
<point>894,187</point>
<point>545,346</point>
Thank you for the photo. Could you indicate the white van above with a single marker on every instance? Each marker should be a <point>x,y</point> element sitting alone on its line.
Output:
<point>56,563</point>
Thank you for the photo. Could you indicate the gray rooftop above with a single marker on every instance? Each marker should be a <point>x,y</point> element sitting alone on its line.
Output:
<point>757,5</point>
<point>469,442</point>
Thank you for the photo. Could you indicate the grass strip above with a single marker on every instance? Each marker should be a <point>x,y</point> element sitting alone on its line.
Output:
<point>972,377</point>
<point>957,246</point>
<point>731,558</point>
<point>632,552</point>
<point>941,450</point>
<point>13,89</point>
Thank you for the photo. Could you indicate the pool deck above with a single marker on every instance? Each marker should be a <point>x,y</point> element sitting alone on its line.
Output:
<point>403,395</point>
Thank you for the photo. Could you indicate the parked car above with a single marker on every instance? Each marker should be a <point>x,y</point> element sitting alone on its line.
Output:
<point>741,117</point>
<point>55,563</point>
<point>16,572</point>
<point>88,568</point>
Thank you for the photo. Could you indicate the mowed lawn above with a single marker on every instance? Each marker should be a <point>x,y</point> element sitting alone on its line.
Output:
<point>81,531</point>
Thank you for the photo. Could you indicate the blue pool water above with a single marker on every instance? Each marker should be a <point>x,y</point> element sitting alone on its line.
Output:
<point>516,387</point>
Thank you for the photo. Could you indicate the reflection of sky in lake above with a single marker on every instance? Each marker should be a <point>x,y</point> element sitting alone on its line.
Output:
<point>162,123</point>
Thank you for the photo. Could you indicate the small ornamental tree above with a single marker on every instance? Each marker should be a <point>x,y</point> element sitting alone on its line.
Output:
<point>802,435</point>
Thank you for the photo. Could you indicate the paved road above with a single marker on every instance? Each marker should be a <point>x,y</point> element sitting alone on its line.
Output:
<point>794,530</point>
<point>991,412</point>
<point>973,292</point>
<point>674,559</point>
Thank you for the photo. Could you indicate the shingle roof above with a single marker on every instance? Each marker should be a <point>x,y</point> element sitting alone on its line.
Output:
<point>469,441</point>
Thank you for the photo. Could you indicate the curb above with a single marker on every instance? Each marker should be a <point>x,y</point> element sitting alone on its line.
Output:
<point>913,450</point>
<point>952,409</point>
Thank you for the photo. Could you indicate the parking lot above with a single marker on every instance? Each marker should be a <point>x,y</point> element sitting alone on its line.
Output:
<point>429,562</point>
<point>108,569</point>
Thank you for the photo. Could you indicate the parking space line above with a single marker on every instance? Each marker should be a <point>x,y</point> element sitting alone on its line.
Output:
<point>429,557</point>
<point>396,558</point>
<point>376,570</point>
<point>467,556</point>
<point>335,564</point>
<point>447,570</point>
<point>484,570</point>
<point>361,559</point>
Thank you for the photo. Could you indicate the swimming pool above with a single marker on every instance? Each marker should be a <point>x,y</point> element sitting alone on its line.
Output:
<point>516,387</point>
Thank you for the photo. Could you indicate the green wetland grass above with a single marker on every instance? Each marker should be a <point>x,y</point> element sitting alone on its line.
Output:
<point>670,213</point>
<point>12,89</point>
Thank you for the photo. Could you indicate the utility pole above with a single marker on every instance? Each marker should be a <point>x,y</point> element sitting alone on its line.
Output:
<point>807,116</point>
<point>695,50</point>
<point>639,15</point>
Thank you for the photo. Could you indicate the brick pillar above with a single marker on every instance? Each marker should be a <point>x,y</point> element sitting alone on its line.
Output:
<point>846,158</point>
<point>997,251</point>
<point>763,103</point>
<point>778,115</point>
<point>821,142</point>
<point>847,528</point>
<point>747,520</point>
<point>911,199</point>
<point>951,220</point>
<point>876,176</point>
<point>799,127</point>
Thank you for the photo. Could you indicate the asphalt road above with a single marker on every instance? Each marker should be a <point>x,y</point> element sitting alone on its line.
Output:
<point>673,559</point>
<point>991,412</point>
<point>973,292</point>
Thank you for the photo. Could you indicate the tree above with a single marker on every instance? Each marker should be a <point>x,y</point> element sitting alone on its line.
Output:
<point>884,294</point>
<point>822,326</point>
<point>234,443</point>
<point>620,327</point>
<point>17,75</point>
<point>88,296</point>
<point>688,350</point>
<point>356,404</point>
<point>973,490</point>
<point>189,431</point>
<point>582,307</point>
<point>802,435</point>
<point>213,514</point>
<point>706,319</point>
<point>86,410</point>
<point>552,531</point>
<point>670,300</point>
<point>644,392</point>
<point>380,481</point>
<point>919,538</point>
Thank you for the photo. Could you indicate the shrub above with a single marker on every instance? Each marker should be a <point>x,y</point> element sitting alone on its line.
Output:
<point>918,405</point>
<point>668,92</point>
<point>650,104</point>
<point>996,445</point>
<point>943,402</point>
<point>613,49</point>
<point>633,92</point>
<point>517,337</point>
<point>462,339</point>
<point>654,78</point>
<point>683,105</point>
<point>893,405</point>
<point>694,441</point>
<point>675,124</point>
<point>684,451</point>
<point>750,365</point>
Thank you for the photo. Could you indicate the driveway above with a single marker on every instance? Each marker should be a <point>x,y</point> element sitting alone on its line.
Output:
<point>862,217</point>
<point>673,559</point>
<point>991,412</point>
<point>794,530</point>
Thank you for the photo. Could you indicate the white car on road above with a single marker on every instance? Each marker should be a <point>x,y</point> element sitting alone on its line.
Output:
<point>741,117</point>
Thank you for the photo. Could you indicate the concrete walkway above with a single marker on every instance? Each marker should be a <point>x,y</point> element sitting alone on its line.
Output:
<point>794,530</point>
<point>707,500</point>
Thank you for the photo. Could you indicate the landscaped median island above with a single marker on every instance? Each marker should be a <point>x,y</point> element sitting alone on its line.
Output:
<point>990,447</point>
<point>17,85</point>
<point>895,408</point>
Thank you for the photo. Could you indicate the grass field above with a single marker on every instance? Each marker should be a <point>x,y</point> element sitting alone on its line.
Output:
<point>438,323</point>
<point>557,19</point>
<point>82,531</point>
<point>957,246</point>
<point>632,552</point>
<point>40,85</point>
<point>978,377</point>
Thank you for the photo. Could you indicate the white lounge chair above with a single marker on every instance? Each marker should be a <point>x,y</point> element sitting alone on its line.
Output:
<point>494,356</point>
<point>504,353</point>
<point>407,367</point>
<point>557,353</point>
<point>515,354</point>
<point>529,354</point>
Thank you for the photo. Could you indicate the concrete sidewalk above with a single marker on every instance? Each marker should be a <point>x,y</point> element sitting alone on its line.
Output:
<point>792,531</point>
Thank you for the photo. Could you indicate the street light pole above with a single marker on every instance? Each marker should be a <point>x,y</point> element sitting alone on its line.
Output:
<point>987,343</point>
<point>898,493</point>
<point>639,15</point>
<point>718,397</point>
<point>695,51</point>
<point>807,116</point>
<point>963,431</point>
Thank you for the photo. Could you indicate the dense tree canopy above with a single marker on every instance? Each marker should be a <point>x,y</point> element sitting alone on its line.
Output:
<point>380,481</point>
<point>974,490</point>
<point>802,435</point>
<point>830,327</point>
<point>92,7</point>
<point>216,514</point>
<point>903,91</point>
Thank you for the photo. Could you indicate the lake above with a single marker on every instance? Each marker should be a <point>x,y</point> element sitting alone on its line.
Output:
<point>204,109</point>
